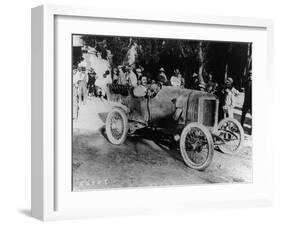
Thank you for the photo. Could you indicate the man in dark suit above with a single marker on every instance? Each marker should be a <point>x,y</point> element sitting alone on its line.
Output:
<point>247,106</point>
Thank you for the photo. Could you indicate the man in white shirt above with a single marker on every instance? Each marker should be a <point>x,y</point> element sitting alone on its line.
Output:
<point>177,80</point>
<point>80,79</point>
<point>101,83</point>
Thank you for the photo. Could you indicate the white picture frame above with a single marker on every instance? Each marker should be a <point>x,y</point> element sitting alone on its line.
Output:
<point>46,187</point>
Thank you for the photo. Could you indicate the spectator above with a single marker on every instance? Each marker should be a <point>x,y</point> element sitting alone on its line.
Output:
<point>121,76</point>
<point>131,77</point>
<point>194,81</point>
<point>177,80</point>
<point>91,82</point>
<point>101,84</point>
<point>81,79</point>
<point>114,75</point>
<point>229,103</point>
<point>247,106</point>
<point>162,78</point>
<point>139,73</point>
<point>75,96</point>
<point>229,98</point>
<point>210,85</point>
<point>229,83</point>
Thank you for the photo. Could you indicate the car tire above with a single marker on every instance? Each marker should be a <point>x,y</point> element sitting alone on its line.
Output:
<point>116,126</point>
<point>193,134</point>
<point>224,147</point>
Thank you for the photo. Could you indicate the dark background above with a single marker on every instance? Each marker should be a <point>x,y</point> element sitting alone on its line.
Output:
<point>221,59</point>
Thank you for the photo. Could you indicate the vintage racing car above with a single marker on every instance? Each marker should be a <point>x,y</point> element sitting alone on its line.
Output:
<point>189,117</point>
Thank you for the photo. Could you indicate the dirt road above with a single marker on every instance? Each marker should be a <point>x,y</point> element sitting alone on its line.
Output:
<point>141,161</point>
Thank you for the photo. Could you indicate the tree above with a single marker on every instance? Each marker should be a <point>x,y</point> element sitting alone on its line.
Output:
<point>189,56</point>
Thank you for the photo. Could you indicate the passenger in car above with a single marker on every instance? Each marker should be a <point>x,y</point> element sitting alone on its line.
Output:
<point>141,89</point>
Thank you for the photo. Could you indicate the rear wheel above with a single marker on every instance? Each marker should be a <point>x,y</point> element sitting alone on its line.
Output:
<point>116,126</point>
<point>196,146</point>
<point>232,133</point>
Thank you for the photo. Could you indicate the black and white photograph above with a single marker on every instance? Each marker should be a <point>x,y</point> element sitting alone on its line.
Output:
<point>150,112</point>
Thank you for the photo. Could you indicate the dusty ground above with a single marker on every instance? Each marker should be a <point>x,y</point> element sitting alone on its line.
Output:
<point>140,161</point>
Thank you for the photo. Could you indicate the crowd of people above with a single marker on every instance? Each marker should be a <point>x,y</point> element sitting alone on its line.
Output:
<point>87,84</point>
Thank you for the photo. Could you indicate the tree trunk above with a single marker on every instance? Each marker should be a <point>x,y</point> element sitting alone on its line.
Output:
<point>201,60</point>
<point>249,60</point>
<point>226,71</point>
<point>227,61</point>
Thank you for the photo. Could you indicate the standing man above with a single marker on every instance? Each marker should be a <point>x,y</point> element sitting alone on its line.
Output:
<point>81,79</point>
<point>195,82</point>
<point>121,76</point>
<point>229,98</point>
<point>131,77</point>
<point>91,82</point>
<point>177,80</point>
<point>75,96</point>
<point>211,85</point>
<point>229,103</point>
<point>139,74</point>
<point>115,75</point>
<point>247,106</point>
<point>101,84</point>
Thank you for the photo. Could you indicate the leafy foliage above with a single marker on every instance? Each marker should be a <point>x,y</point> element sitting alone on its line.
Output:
<point>190,56</point>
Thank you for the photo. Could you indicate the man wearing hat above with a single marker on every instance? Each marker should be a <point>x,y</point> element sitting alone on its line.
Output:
<point>162,78</point>
<point>139,73</point>
<point>194,81</point>
<point>229,98</point>
<point>229,84</point>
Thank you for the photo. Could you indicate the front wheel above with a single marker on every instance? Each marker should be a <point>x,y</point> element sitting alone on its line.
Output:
<point>196,146</point>
<point>116,126</point>
<point>232,133</point>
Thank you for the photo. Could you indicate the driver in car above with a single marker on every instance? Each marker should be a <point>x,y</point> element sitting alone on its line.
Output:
<point>141,89</point>
<point>145,89</point>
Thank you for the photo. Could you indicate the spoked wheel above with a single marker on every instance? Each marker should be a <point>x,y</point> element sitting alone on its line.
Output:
<point>232,133</point>
<point>196,146</point>
<point>116,126</point>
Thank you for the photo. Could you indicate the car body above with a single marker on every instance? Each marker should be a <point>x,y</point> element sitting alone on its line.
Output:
<point>190,115</point>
